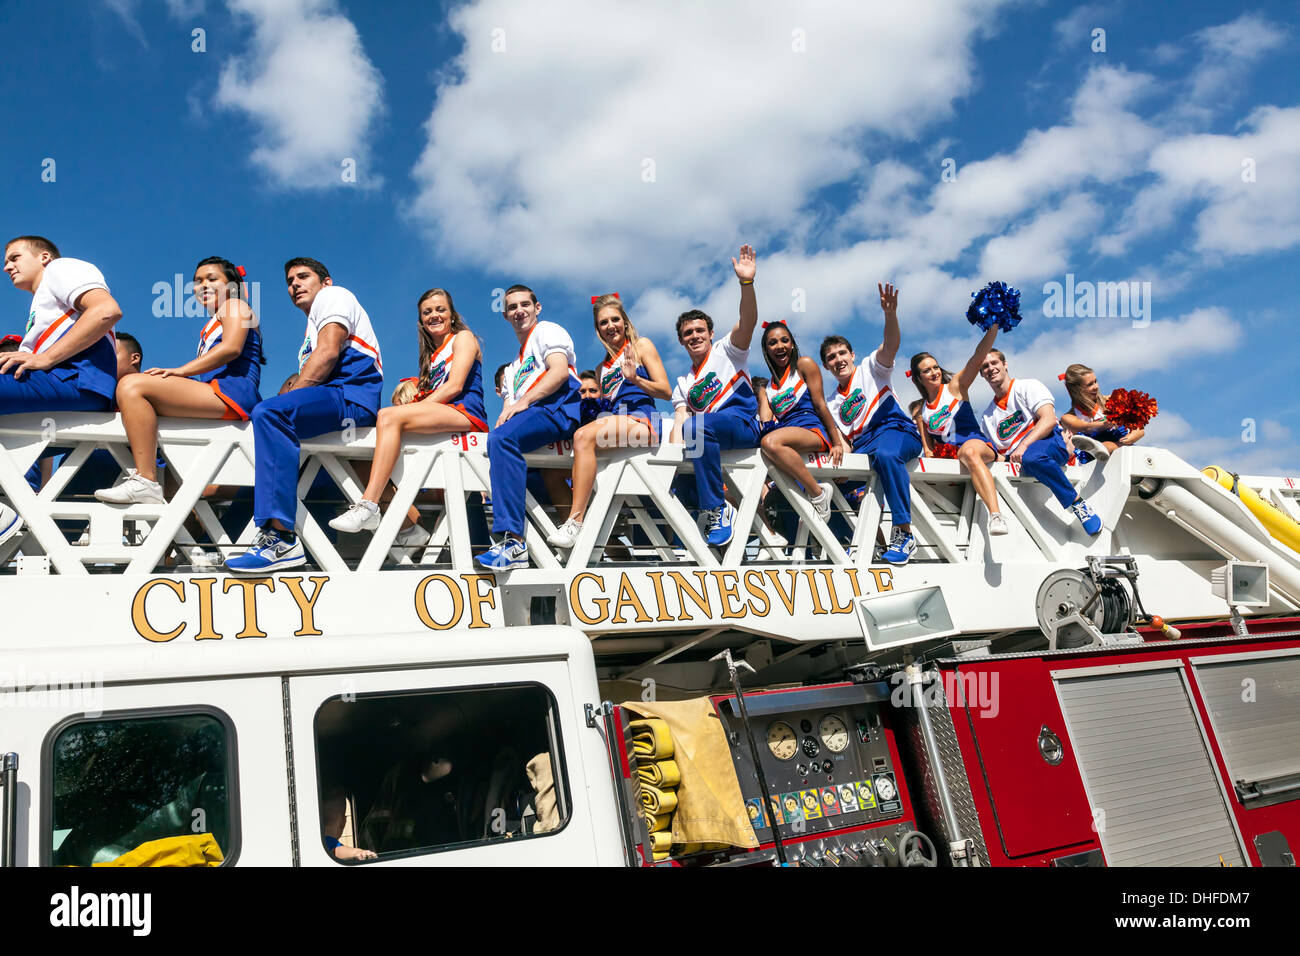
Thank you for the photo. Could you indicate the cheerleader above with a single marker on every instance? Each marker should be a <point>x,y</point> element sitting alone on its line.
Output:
<point>713,405</point>
<point>795,418</point>
<point>629,380</point>
<point>866,412</point>
<point>947,422</point>
<point>1020,426</point>
<point>221,381</point>
<point>1085,425</point>
<point>448,398</point>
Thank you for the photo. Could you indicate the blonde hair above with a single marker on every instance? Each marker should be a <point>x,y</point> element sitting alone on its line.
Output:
<point>629,330</point>
<point>405,392</point>
<point>1074,386</point>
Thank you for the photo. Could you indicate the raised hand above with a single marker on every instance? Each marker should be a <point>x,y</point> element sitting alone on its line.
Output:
<point>745,267</point>
<point>888,300</point>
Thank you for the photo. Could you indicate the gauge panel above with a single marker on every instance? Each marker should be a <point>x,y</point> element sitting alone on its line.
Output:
<point>827,768</point>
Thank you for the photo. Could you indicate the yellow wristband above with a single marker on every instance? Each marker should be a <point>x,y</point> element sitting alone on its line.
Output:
<point>746,281</point>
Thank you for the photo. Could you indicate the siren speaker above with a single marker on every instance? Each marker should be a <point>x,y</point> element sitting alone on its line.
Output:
<point>896,618</point>
<point>1241,583</point>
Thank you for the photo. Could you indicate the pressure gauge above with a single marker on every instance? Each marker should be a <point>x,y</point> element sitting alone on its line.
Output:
<point>834,734</point>
<point>781,740</point>
<point>885,788</point>
<point>810,747</point>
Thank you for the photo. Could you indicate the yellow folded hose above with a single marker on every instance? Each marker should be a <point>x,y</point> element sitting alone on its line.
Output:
<point>661,845</point>
<point>1276,522</point>
<point>656,801</point>
<point>651,739</point>
<point>658,823</point>
<point>660,773</point>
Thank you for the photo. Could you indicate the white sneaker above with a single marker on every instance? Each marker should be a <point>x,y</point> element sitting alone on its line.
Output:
<point>997,523</point>
<point>409,543</point>
<point>565,535</point>
<point>822,503</point>
<point>10,523</point>
<point>134,489</point>
<point>362,516</point>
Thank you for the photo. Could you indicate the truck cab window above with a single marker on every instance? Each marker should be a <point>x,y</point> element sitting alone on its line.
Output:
<point>420,772</point>
<point>119,783</point>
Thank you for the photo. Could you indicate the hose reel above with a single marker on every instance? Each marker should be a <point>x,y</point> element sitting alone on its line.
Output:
<point>1081,607</point>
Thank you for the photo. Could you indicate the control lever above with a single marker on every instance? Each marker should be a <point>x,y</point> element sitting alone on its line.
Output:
<point>733,669</point>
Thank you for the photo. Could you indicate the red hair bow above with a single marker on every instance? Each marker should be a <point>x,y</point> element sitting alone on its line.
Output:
<point>1061,377</point>
<point>614,294</point>
<point>908,373</point>
<point>12,338</point>
<point>776,322</point>
<point>240,270</point>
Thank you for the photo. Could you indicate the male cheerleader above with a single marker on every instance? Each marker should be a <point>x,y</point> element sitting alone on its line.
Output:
<point>542,405</point>
<point>1020,425</point>
<point>339,376</point>
<point>867,413</point>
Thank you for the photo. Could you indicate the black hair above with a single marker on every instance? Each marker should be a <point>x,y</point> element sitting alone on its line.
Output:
<point>37,244</point>
<point>315,265</point>
<point>519,288</point>
<point>231,271</point>
<point>794,347</point>
<point>500,376</point>
<point>235,280</point>
<point>694,315</point>
<point>590,373</point>
<point>834,340</point>
<point>132,343</point>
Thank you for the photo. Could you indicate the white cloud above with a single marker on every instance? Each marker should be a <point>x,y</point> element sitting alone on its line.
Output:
<point>1275,454</point>
<point>536,156</point>
<point>1247,187</point>
<point>1228,52</point>
<point>1042,246</point>
<point>310,89</point>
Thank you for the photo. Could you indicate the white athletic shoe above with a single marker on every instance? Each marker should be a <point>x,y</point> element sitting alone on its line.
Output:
<point>997,523</point>
<point>10,523</point>
<point>362,516</point>
<point>409,543</point>
<point>565,535</point>
<point>1093,447</point>
<point>134,489</point>
<point>822,503</point>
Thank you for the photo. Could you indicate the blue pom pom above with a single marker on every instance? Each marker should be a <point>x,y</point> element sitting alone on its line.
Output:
<point>995,304</point>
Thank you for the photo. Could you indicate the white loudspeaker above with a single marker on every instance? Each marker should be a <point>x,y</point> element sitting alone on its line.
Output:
<point>1241,583</point>
<point>894,618</point>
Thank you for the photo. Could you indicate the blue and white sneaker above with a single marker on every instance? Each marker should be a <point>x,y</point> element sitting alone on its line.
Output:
<point>506,555</point>
<point>901,548</point>
<point>10,523</point>
<point>720,521</point>
<point>1087,517</point>
<point>269,552</point>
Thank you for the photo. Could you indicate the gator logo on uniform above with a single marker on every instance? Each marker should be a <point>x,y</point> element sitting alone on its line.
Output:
<point>1009,426</point>
<point>704,391</point>
<point>851,407</point>
<point>938,421</point>
<point>437,373</point>
<point>782,402</point>
<point>610,381</point>
<point>303,353</point>
<point>523,372</point>
<point>31,320</point>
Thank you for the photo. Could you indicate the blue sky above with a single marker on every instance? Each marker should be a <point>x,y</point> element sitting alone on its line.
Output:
<point>585,147</point>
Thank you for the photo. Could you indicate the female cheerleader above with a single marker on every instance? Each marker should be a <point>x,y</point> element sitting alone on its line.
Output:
<point>1085,424</point>
<point>631,378</point>
<point>220,382</point>
<point>448,398</point>
<point>947,422</point>
<point>800,421</point>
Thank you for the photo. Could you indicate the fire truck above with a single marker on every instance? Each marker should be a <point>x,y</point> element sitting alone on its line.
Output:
<point>1039,698</point>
